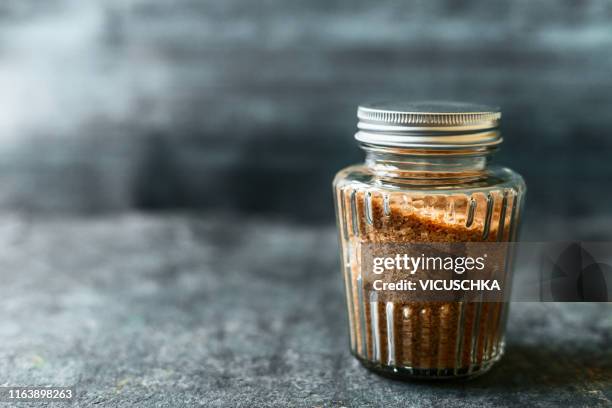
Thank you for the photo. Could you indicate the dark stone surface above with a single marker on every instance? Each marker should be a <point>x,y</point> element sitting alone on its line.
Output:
<point>181,310</point>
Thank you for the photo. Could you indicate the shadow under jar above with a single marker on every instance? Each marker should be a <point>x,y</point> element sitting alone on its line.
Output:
<point>426,179</point>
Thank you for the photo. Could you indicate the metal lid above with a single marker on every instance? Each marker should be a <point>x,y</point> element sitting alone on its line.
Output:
<point>430,124</point>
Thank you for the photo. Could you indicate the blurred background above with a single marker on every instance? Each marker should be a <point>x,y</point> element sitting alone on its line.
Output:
<point>249,108</point>
<point>167,231</point>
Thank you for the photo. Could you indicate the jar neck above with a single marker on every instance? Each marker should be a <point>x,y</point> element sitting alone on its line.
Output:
<point>427,164</point>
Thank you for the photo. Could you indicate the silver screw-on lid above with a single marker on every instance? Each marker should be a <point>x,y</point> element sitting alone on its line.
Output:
<point>429,124</point>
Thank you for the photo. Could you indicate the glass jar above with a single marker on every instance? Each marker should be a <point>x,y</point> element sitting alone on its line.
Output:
<point>426,179</point>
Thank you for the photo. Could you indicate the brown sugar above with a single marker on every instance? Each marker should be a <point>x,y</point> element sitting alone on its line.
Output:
<point>427,182</point>
<point>433,339</point>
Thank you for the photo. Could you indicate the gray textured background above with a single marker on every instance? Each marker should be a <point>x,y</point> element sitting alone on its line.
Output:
<point>154,104</point>
<point>166,232</point>
<point>178,311</point>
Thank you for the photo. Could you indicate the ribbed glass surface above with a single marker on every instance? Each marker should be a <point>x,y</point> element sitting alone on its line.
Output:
<point>423,339</point>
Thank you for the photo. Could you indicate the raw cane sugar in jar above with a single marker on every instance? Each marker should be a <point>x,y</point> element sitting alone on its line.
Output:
<point>426,182</point>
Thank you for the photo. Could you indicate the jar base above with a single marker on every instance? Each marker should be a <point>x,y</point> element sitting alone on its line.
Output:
<point>410,373</point>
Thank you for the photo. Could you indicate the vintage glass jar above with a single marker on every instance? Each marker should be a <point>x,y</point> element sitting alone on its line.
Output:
<point>426,178</point>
